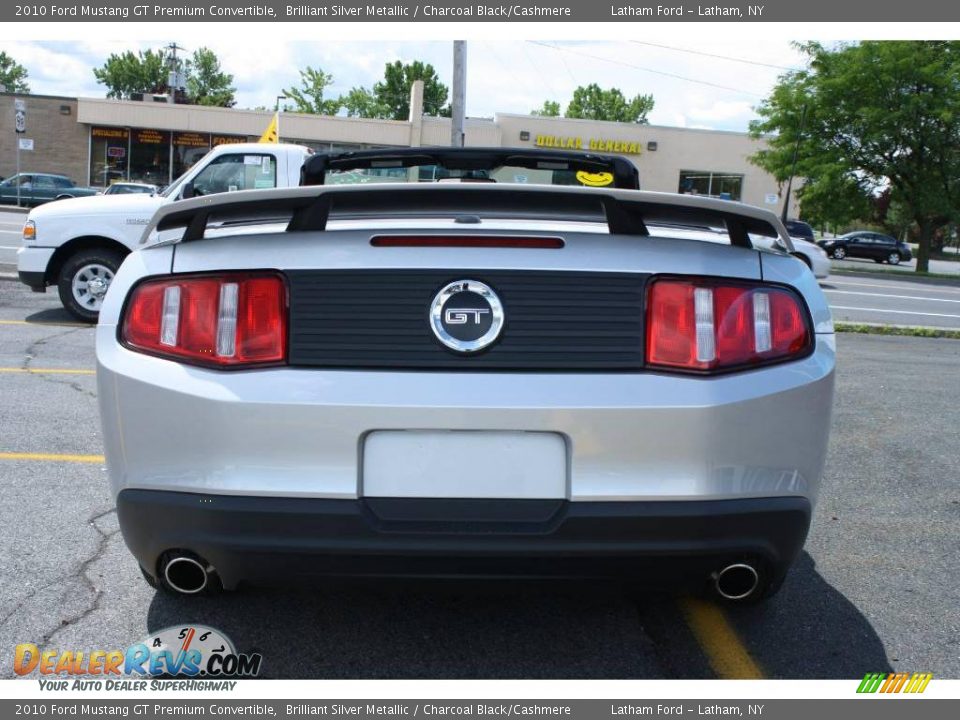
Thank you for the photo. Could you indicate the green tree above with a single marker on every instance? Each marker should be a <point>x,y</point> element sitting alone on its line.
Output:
<point>361,102</point>
<point>393,92</point>
<point>127,73</point>
<point>13,75</point>
<point>550,109</point>
<point>878,115</point>
<point>309,97</point>
<point>592,102</point>
<point>207,83</point>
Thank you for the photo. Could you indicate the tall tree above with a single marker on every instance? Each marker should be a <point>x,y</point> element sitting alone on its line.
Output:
<point>309,97</point>
<point>592,102</point>
<point>879,115</point>
<point>207,83</point>
<point>127,73</point>
<point>361,102</point>
<point>13,75</point>
<point>550,108</point>
<point>393,92</point>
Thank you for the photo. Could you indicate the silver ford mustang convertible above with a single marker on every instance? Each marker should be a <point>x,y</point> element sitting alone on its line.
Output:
<point>465,378</point>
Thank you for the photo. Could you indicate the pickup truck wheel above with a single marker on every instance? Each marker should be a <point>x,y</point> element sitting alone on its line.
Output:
<point>84,279</point>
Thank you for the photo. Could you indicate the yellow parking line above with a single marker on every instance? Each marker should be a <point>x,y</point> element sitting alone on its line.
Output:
<point>724,650</point>
<point>51,457</point>
<point>45,324</point>
<point>47,371</point>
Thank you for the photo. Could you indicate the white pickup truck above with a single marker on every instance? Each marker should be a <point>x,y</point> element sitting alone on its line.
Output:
<point>78,244</point>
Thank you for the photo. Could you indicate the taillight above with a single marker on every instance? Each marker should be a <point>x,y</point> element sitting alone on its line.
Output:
<point>708,325</point>
<point>228,320</point>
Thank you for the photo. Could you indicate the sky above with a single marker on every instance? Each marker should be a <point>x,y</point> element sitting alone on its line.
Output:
<point>712,84</point>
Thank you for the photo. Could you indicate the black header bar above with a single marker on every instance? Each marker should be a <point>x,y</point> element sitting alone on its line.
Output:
<point>466,11</point>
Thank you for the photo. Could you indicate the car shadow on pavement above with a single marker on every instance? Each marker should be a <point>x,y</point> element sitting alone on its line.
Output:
<point>810,630</point>
<point>54,316</point>
<point>522,629</point>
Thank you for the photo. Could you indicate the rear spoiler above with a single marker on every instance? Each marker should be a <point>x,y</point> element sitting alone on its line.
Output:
<point>625,173</point>
<point>308,209</point>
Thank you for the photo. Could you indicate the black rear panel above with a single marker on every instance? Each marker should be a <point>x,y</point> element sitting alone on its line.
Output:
<point>380,319</point>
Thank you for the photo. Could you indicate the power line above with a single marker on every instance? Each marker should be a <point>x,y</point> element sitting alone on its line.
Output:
<point>646,69</point>
<point>713,55</point>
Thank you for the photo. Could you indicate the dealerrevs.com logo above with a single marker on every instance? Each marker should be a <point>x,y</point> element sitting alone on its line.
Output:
<point>192,652</point>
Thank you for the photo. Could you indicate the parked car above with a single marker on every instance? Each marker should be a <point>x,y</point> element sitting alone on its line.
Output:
<point>867,244</point>
<point>38,188</point>
<point>131,188</point>
<point>800,229</point>
<point>463,379</point>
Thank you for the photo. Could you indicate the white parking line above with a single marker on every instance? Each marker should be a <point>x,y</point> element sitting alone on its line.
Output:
<point>9,247</point>
<point>896,312</point>
<point>897,297</point>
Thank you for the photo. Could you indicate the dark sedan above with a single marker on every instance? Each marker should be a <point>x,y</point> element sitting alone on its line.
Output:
<point>869,245</point>
<point>37,188</point>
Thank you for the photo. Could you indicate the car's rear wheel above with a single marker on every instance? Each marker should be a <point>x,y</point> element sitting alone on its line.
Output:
<point>893,258</point>
<point>839,253</point>
<point>84,280</point>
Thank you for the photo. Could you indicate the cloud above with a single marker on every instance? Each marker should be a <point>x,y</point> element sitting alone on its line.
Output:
<point>689,87</point>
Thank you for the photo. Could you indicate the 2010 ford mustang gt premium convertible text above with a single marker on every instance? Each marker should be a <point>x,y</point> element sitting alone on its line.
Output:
<point>464,378</point>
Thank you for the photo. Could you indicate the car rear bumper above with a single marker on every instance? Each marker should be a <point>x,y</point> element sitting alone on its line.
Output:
<point>266,539</point>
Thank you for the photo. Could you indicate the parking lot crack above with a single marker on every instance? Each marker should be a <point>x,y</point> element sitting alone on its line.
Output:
<point>33,350</point>
<point>81,574</point>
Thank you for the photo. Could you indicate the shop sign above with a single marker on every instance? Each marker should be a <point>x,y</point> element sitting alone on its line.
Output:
<point>150,137</point>
<point>191,139</point>
<point>559,142</point>
<point>110,133</point>
<point>227,139</point>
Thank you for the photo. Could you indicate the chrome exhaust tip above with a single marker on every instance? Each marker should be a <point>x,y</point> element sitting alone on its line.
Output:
<point>187,575</point>
<point>737,581</point>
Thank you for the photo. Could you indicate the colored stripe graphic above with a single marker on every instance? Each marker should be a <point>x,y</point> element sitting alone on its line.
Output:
<point>894,682</point>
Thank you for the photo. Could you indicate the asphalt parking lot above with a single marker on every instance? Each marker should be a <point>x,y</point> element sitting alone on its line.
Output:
<point>874,591</point>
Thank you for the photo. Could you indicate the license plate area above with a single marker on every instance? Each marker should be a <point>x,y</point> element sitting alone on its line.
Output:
<point>464,464</point>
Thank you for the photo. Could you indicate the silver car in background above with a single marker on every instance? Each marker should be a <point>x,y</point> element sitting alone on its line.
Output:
<point>464,379</point>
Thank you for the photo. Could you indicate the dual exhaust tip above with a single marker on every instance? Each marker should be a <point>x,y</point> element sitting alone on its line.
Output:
<point>187,574</point>
<point>739,581</point>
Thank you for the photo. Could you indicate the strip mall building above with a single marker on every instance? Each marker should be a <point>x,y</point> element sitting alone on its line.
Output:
<point>97,141</point>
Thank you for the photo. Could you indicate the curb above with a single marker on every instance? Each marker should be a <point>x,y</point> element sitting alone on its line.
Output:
<point>14,208</point>
<point>896,275</point>
<point>921,331</point>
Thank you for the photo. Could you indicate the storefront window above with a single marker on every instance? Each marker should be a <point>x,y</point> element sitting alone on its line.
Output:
<point>108,155</point>
<point>714,184</point>
<point>149,156</point>
<point>188,147</point>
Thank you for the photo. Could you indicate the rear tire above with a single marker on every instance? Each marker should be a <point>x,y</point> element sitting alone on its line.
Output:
<point>84,279</point>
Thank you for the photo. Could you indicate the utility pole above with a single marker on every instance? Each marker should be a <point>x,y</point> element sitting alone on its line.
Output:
<point>277,111</point>
<point>459,92</point>
<point>175,79</point>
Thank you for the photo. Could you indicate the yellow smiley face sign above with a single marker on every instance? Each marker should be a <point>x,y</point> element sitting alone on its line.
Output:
<point>600,179</point>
